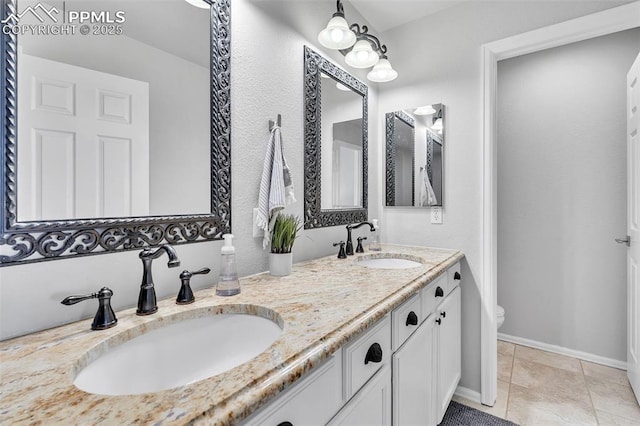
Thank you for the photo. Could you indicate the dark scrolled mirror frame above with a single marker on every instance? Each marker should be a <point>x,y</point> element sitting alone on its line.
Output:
<point>35,241</point>
<point>391,156</point>
<point>314,215</point>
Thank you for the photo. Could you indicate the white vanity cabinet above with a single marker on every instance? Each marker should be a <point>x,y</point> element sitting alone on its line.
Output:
<point>448,343</point>
<point>414,377</point>
<point>371,406</point>
<point>427,367</point>
<point>402,371</point>
<point>313,400</point>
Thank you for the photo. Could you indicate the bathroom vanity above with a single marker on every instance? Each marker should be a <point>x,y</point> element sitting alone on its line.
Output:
<point>347,331</point>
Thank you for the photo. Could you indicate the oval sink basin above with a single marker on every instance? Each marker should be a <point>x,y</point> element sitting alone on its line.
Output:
<point>388,263</point>
<point>178,354</point>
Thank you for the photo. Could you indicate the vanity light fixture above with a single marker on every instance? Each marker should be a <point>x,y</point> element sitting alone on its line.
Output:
<point>367,50</point>
<point>342,87</point>
<point>424,110</point>
<point>199,3</point>
<point>337,35</point>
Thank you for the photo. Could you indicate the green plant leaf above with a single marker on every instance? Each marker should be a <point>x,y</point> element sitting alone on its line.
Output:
<point>285,232</point>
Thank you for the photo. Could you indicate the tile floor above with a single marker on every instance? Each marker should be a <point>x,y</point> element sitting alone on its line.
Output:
<point>542,388</point>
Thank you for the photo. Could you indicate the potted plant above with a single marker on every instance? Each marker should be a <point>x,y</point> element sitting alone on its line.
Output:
<point>284,235</point>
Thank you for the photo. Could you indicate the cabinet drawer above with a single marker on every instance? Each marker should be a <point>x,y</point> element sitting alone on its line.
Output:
<point>453,276</point>
<point>312,400</point>
<point>405,319</point>
<point>433,294</point>
<point>357,365</point>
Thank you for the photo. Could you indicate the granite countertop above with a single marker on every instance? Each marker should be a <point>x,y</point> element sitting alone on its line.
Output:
<point>322,305</point>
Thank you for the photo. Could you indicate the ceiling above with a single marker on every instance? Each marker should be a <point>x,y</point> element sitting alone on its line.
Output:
<point>384,15</point>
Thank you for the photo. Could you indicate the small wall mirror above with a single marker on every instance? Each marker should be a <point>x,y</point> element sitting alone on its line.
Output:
<point>335,144</point>
<point>414,141</point>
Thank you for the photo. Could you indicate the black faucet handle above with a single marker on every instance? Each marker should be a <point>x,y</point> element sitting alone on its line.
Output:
<point>105,317</point>
<point>185,295</point>
<point>359,248</point>
<point>341,253</point>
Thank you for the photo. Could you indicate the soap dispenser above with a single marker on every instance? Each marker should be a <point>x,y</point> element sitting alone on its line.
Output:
<point>375,237</point>
<point>228,284</point>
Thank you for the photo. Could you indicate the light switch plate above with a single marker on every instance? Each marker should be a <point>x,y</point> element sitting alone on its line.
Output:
<point>436,215</point>
<point>257,232</point>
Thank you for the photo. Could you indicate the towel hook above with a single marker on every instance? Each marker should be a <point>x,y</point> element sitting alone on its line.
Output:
<point>278,121</point>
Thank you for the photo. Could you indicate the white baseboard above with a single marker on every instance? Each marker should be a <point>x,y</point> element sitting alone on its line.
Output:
<point>469,394</point>
<point>597,359</point>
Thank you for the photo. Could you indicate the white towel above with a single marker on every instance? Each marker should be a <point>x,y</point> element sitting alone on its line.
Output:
<point>427,195</point>
<point>276,186</point>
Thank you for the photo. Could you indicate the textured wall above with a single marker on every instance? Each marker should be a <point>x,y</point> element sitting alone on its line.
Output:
<point>562,173</point>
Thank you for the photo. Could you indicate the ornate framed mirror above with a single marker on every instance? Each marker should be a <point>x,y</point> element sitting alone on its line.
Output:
<point>115,129</point>
<point>414,141</point>
<point>335,154</point>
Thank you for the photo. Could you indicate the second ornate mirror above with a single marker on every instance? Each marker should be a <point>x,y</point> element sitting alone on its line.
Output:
<point>335,189</point>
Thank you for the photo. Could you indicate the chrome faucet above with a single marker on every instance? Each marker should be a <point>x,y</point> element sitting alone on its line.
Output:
<point>147,299</point>
<point>349,240</point>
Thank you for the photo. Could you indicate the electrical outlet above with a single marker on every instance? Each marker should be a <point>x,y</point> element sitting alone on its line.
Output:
<point>257,232</point>
<point>436,215</point>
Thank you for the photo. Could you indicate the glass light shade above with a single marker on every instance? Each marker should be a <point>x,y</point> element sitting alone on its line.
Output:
<point>342,87</point>
<point>437,125</point>
<point>382,72</point>
<point>424,110</point>
<point>361,55</point>
<point>199,3</point>
<point>337,34</point>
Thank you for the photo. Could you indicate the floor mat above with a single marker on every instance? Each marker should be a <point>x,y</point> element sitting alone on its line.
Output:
<point>461,415</point>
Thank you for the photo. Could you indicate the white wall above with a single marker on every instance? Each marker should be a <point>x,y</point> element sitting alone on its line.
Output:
<point>267,74</point>
<point>446,67</point>
<point>562,191</point>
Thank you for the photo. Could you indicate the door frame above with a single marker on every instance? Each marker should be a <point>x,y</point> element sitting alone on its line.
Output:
<point>598,24</point>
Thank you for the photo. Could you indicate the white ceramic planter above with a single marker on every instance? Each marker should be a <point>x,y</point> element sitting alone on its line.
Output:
<point>280,264</point>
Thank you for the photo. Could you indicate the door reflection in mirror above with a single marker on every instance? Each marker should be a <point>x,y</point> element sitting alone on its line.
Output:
<point>341,145</point>
<point>414,141</point>
<point>115,126</point>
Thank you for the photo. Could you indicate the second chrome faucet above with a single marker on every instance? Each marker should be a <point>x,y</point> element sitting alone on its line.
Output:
<point>147,303</point>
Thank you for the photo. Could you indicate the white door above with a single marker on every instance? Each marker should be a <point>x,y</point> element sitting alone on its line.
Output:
<point>414,378</point>
<point>633,226</point>
<point>84,142</point>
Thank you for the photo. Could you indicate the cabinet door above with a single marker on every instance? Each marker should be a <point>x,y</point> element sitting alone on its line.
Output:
<point>371,406</point>
<point>449,349</point>
<point>414,379</point>
<point>314,400</point>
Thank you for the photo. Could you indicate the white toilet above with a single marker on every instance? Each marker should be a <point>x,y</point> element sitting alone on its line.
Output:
<point>499,316</point>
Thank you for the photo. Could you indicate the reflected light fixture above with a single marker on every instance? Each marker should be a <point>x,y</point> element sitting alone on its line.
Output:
<point>337,35</point>
<point>199,3</point>
<point>342,87</point>
<point>424,110</point>
<point>437,121</point>
<point>367,50</point>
